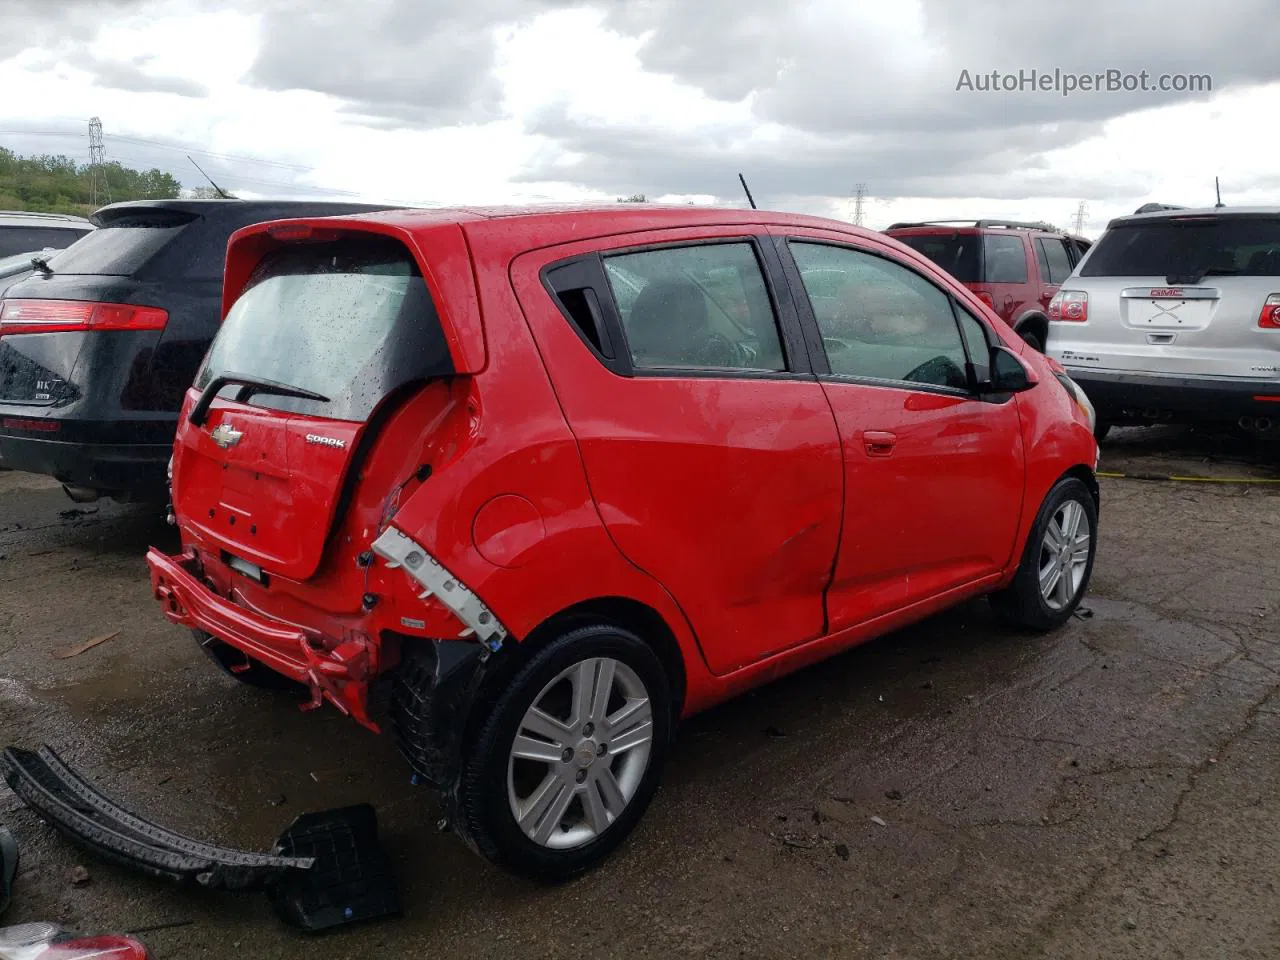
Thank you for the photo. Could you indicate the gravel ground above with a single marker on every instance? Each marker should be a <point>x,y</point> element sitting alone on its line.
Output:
<point>952,790</point>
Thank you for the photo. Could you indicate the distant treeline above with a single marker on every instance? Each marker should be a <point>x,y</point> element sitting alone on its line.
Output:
<point>52,184</point>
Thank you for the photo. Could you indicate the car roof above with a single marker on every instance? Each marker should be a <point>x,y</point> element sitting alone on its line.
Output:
<point>272,209</point>
<point>554,223</point>
<point>972,226</point>
<point>1184,213</point>
<point>28,218</point>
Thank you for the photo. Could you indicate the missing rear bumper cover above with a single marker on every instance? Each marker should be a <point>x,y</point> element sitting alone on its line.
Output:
<point>400,551</point>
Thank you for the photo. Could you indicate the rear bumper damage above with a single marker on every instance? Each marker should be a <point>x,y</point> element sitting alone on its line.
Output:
<point>337,672</point>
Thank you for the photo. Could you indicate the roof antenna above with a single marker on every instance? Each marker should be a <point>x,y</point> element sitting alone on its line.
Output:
<point>747,190</point>
<point>1218,191</point>
<point>222,193</point>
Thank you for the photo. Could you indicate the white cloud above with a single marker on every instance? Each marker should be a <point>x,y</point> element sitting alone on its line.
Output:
<point>650,97</point>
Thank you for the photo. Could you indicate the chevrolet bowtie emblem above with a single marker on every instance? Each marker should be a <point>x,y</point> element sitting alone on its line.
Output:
<point>226,436</point>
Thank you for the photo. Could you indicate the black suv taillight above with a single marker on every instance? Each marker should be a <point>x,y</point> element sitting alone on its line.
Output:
<point>63,316</point>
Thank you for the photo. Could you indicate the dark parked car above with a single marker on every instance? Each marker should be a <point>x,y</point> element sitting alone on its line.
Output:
<point>98,347</point>
<point>1015,268</point>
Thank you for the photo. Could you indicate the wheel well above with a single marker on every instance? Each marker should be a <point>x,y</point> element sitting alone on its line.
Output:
<point>1086,476</point>
<point>640,619</point>
<point>1035,323</point>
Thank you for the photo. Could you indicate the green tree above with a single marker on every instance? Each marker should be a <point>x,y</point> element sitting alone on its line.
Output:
<point>57,184</point>
<point>634,198</point>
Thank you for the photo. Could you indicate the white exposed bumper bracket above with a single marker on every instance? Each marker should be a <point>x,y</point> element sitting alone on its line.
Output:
<point>400,551</point>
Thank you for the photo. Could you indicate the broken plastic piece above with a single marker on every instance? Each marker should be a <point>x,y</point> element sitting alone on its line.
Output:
<point>326,870</point>
<point>51,788</point>
<point>400,551</point>
<point>8,867</point>
<point>352,879</point>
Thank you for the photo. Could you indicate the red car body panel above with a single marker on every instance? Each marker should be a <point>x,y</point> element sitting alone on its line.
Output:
<point>747,559</point>
<point>752,517</point>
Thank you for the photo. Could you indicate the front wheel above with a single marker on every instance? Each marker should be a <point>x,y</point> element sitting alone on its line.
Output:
<point>1057,562</point>
<point>566,760</point>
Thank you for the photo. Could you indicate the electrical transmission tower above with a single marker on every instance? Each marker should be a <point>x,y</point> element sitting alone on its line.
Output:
<point>99,191</point>
<point>859,204</point>
<point>1080,215</point>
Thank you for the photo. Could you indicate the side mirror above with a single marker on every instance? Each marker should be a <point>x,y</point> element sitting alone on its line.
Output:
<point>1008,375</point>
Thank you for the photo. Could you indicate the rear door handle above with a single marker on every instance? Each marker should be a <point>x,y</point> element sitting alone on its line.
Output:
<point>879,443</point>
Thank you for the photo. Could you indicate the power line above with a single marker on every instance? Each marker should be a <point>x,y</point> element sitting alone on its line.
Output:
<point>233,157</point>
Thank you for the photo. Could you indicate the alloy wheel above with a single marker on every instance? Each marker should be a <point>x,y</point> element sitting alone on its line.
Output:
<point>1064,555</point>
<point>580,753</point>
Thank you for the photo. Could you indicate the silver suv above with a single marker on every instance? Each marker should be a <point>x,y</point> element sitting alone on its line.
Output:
<point>1174,315</point>
<point>22,231</point>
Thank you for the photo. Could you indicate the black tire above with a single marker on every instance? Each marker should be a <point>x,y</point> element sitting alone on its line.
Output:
<point>1100,429</point>
<point>483,815</point>
<point>257,675</point>
<point>1021,605</point>
<point>1033,338</point>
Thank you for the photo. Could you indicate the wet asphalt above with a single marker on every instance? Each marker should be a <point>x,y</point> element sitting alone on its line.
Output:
<point>953,790</point>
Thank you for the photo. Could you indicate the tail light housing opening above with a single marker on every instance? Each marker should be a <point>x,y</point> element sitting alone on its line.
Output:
<point>69,316</point>
<point>1071,306</point>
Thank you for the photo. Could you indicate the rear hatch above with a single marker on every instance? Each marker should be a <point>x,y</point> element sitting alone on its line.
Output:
<point>87,290</point>
<point>322,339</point>
<point>959,252</point>
<point>992,265</point>
<point>1177,296</point>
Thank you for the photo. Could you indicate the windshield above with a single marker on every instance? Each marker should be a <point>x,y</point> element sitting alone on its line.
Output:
<point>351,320</point>
<point>1188,247</point>
<point>956,253</point>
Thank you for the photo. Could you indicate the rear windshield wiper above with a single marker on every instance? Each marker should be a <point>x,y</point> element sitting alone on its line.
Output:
<point>248,387</point>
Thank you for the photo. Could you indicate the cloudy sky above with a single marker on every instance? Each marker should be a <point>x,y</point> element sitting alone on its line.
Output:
<point>480,101</point>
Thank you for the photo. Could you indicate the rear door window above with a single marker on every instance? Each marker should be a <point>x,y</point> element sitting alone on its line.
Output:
<point>698,306</point>
<point>123,245</point>
<point>1055,261</point>
<point>1005,260</point>
<point>351,320</point>
<point>956,253</point>
<point>1188,248</point>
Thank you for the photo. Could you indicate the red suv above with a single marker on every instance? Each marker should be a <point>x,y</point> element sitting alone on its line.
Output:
<point>1015,268</point>
<point>565,478</point>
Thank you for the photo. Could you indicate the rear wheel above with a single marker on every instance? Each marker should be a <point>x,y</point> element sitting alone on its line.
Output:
<point>566,760</point>
<point>1100,429</point>
<point>241,667</point>
<point>1057,562</point>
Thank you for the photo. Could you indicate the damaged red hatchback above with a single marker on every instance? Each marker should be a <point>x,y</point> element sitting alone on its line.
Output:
<point>565,477</point>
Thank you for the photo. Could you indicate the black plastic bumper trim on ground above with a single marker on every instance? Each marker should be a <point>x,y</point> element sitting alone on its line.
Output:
<point>47,785</point>
<point>352,880</point>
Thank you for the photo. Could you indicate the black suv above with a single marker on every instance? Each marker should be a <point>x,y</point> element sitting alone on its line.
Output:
<point>98,346</point>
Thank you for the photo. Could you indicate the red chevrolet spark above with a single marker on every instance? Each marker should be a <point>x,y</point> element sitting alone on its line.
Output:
<point>566,477</point>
